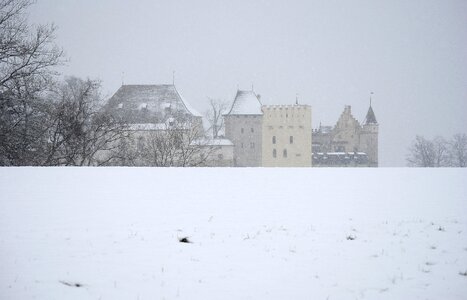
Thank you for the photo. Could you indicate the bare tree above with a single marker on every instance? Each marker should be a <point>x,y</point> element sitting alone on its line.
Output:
<point>215,117</point>
<point>80,129</point>
<point>27,58</point>
<point>180,144</point>
<point>421,153</point>
<point>25,51</point>
<point>441,152</point>
<point>458,150</point>
<point>426,153</point>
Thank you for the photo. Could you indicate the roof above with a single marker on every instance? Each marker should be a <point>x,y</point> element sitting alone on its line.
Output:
<point>212,142</point>
<point>154,97</point>
<point>246,103</point>
<point>370,117</point>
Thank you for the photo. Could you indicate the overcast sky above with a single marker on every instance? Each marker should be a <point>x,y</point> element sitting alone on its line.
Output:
<point>411,54</point>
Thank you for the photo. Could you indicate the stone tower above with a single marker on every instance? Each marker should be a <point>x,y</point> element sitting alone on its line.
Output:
<point>287,136</point>
<point>369,137</point>
<point>243,126</point>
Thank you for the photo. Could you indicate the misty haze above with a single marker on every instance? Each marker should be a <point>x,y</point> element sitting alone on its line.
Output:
<point>233,150</point>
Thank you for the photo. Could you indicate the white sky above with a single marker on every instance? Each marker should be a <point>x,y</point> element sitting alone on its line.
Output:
<point>411,54</point>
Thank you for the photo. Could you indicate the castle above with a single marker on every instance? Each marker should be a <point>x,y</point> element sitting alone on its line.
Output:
<point>268,135</point>
<point>281,136</point>
<point>256,135</point>
<point>347,143</point>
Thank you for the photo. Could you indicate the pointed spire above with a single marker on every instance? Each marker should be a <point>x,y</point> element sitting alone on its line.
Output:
<point>173,77</point>
<point>296,98</point>
<point>370,115</point>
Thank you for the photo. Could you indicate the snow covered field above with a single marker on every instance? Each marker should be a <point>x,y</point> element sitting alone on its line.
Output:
<point>112,233</point>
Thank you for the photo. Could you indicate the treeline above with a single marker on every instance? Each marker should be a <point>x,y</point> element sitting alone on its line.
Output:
<point>45,121</point>
<point>438,152</point>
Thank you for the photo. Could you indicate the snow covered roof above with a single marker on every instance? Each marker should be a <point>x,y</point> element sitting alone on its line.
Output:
<point>147,126</point>
<point>246,103</point>
<point>212,142</point>
<point>152,96</point>
<point>158,126</point>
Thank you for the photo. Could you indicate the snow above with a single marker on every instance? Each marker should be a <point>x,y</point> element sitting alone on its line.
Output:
<point>147,126</point>
<point>256,233</point>
<point>246,103</point>
<point>212,142</point>
<point>188,106</point>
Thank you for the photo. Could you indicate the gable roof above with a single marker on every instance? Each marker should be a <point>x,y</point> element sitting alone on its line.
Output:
<point>370,117</point>
<point>246,103</point>
<point>154,97</point>
<point>347,121</point>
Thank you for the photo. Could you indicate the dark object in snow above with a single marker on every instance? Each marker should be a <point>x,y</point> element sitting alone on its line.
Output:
<point>463,273</point>
<point>72,284</point>
<point>351,237</point>
<point>184,240</point>
<point>441,228</point>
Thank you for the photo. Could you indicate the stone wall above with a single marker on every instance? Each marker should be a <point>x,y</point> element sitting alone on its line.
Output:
<point>286,136</point>
<point>245,132</point>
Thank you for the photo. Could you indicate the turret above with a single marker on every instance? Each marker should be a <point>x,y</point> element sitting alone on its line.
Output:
<point>369,137</point>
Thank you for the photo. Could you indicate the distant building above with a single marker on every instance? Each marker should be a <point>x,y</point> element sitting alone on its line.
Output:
<point>268,135</point>
<point>155,112</point>
<point>347,143</point>
<point>151,104</point>
<point>286,136</point>
<point>243,127</point>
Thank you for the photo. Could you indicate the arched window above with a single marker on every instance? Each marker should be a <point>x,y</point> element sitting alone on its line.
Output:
<point>284,154</point>
<point>274,139</point>
<point>291,139</point>
<point>274,153</point>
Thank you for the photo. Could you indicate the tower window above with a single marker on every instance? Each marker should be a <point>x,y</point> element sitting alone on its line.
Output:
<point>252,130</point>
<point>274,139</point>
<point>252,145</point>
<point>274,153</point>
<point>284,154</point>
<point>242,130</point>
<point>291,139</point>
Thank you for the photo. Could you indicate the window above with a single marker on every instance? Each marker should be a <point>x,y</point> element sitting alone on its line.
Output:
<point>252,130</point>
<point>242,145</point>
<point>252,145</point>
<point>274,153</point>
<point>291,139</point>
<point>242,130</point>
<point>284,154</point>
<point>274,139</point>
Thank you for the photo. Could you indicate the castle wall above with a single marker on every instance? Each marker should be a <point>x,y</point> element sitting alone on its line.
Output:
<point>245,132</point>
<point>369,143</point>
<point>286,136</point>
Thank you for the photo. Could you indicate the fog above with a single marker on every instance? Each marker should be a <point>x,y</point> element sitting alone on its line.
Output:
<point>411,54</point>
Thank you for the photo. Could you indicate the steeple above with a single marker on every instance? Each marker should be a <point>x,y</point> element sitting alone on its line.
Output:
<point>370,115</point>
